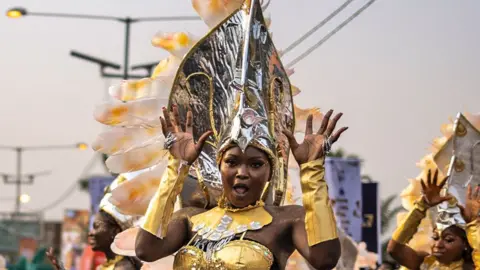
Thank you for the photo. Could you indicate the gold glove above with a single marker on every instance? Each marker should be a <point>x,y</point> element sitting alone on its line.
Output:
<point>409,226</point>
<point>161,206</point>
<point>473,236</point>
<point>320,223</point>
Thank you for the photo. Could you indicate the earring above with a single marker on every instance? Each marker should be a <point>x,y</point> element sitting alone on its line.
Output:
<point>264,192</point>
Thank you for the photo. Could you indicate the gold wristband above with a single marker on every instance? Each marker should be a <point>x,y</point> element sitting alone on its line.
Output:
<point>161,206</point>
<point>409,226</point>
<point>320,223</point>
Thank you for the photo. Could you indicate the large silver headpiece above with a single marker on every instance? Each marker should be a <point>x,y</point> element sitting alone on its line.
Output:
<point>237,87</point>
<point>459,158</point>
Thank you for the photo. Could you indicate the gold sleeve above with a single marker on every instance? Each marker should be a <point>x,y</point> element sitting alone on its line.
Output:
<point>409,226</point>
<point>320,223</point>
<point>473,236</point>
<point>161,206</point>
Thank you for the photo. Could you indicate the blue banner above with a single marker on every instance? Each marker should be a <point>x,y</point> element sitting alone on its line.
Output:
<point>345,189</point>
<point>96,187</point>
<point>371,218</point>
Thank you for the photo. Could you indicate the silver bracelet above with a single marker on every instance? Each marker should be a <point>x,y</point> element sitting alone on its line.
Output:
<point>327,145</point>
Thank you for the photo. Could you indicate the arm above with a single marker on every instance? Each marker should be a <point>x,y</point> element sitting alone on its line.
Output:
<point>315,234</point>
<point>152,242</point>
<point>397,247</point>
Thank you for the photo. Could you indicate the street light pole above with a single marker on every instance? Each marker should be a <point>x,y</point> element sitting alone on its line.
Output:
<point>19,177</point>
<point>18,12</point>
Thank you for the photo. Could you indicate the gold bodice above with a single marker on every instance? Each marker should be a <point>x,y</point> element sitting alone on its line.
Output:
<point>238,254</point>
<point>216,229</point>
<point>431,263</point>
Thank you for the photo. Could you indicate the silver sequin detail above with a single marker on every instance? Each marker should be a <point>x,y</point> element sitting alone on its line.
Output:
<point>221,228</point>
<point>255,225</point>
<point>215,236</point>
<point>241,228</point>
<point>226,220</point>
<point>198,227</point>
<point>204,231</point>
<point>228,233</point>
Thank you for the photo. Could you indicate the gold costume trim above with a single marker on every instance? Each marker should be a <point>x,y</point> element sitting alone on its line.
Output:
<point>160,209</point>
<point>431,263</point>
<point>110,264</point>
<point>409,226</point>
<point>473,236</point>
<point>320,223</point>
<point>219,223</point>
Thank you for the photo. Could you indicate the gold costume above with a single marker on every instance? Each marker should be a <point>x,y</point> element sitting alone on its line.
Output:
<point>460,168</point>
<point>235,85</point>
<point>223,224</point>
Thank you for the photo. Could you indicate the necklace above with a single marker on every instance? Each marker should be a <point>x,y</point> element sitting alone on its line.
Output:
<point>227,207</point>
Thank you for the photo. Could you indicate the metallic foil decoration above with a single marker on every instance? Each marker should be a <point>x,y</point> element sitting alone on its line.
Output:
<point>237,87</point>
<point>461,155</point>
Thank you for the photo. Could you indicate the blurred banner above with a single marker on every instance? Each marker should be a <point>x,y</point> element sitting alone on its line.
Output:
<point>371,218</point>
<point>96,188</point>
<point>74,237</point>
<point>345,189</point>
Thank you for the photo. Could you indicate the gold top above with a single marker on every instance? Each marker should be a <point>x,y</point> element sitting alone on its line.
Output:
<point>431,263</point>
<point>220,225</point>
<point>110,264</point>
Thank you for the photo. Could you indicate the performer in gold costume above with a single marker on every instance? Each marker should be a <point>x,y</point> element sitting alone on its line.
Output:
<point>456,236</point>
<point>230,123</point>
<point>241,99</point>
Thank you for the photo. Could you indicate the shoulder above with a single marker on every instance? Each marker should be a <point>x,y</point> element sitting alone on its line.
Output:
<point>292,213</point>
<point>188,212</point>
<point>127,264</point>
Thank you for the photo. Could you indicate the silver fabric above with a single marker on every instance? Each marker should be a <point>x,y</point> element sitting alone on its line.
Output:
<point>235,84</point>
<point>461,155</point>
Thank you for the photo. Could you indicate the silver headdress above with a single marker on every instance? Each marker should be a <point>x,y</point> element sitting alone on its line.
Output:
<point>124,221</point>
<point>235,83</point>
<point>459,158</point>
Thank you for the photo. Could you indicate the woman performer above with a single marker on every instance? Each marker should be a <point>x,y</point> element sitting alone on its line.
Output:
<point>456,236</point>
<point>108,222</point>
<point>233,82</point>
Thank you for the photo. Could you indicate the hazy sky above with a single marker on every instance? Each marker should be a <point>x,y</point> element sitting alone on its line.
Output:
<point>397,72</point>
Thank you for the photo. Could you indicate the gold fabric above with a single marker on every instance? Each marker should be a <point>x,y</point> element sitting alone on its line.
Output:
<point>212,218</point>
<point>409,226</point>
<point>161,207</point>
<point>431,263</point>
<point>237,254</point>
<point>320,223</point>
<point>110,264</point>
<point>473,236</point>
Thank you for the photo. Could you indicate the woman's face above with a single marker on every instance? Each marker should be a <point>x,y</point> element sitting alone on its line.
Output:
<point>102,234</point>
<point>244,175</point>
<point>448,246</point>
